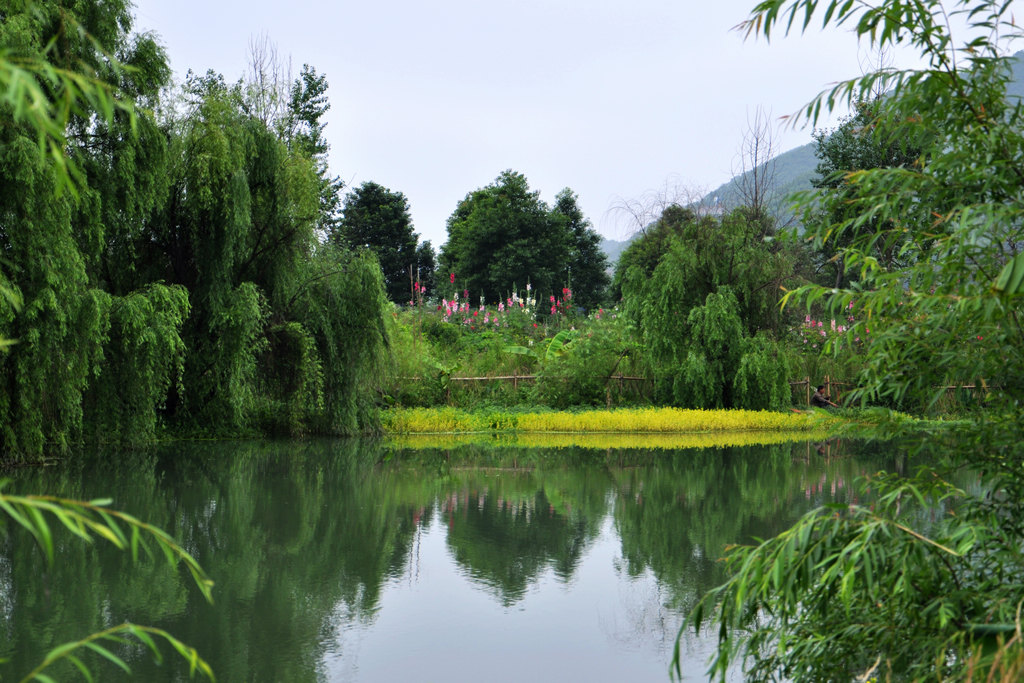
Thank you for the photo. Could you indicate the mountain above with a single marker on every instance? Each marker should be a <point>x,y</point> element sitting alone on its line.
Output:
<point>795,169</point>
<point>613,249</point>
<point>793,173</point>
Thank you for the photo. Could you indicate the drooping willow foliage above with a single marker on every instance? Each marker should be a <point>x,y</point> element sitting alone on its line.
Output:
<point>702,292</point>
<point>165,270</point>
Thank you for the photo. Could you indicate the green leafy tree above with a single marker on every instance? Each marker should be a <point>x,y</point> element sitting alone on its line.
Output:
<point>69,255</point>
<point>891,591</point>
<point>267,346</point>
<point>426,266</point>
<point>378,219</point>
<point>587,266</point>
<point>304,124</point>
<point>696,288</point>
<point>503,236</point>
<point>24,88</point>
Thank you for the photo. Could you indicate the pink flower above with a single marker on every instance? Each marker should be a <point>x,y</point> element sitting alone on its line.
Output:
<point>451,277</point>
<point>552,298</point>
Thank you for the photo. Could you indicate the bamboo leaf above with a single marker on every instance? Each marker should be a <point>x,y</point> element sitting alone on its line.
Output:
<point>108,655</point>
<point>1011,277</point>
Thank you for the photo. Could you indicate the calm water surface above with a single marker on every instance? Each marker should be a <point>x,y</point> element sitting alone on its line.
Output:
<point>350,561</point>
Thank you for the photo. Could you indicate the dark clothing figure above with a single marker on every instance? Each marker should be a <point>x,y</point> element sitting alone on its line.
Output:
<point>821,400</point>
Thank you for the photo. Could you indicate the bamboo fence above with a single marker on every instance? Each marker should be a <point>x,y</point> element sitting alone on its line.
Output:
<point>801,389</point>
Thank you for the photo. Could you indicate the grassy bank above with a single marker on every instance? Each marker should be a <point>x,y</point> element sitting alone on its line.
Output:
<point>622,421</point>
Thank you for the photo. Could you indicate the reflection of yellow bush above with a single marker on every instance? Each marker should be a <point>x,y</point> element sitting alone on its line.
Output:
<point>645,420</point>
<point>602,441</point>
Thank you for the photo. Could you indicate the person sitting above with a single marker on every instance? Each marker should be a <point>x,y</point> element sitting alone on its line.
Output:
<point>822,400</point>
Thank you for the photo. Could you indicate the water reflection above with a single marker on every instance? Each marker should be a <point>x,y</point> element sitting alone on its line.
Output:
<point>350,561</point>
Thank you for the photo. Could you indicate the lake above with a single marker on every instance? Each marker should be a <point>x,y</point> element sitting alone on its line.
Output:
<point>356,560</point>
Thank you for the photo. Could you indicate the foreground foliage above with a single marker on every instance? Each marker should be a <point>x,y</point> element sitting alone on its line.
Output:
<point>927,584</point>
<point>90,520</point>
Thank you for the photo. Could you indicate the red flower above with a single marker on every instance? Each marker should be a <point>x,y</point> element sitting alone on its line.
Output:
<point>451,276</point>
<point>475,313</point>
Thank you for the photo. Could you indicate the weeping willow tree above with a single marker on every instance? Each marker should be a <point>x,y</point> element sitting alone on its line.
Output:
<point>61,246</point>
<point>702,293</point>
<point>156,269</point>
<point>284,332</point>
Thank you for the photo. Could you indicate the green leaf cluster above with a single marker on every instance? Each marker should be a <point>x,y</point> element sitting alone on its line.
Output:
<point>89,520</point>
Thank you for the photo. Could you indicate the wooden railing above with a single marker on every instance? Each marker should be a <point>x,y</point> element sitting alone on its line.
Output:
<point>801,389</point>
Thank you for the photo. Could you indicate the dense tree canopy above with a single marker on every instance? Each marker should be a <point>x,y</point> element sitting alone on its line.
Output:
<point>378,219</point>
<point>304,132</point>
<point>698,290</point>
<point>587,266</point>
<point>182,273</point>
<point>503,236</point>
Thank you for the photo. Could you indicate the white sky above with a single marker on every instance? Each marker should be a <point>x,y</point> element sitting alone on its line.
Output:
<point>435,99</point>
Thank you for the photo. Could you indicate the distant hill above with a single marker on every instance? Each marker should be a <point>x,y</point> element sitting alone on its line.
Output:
<point>613,249</point>
<point>795,169</point>
<point>793,172</point>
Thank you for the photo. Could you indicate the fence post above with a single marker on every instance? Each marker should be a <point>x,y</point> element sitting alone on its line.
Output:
<point>807,390</point>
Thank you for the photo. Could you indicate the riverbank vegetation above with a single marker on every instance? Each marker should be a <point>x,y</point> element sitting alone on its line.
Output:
<point>187,266</point>
<point>179,260</point>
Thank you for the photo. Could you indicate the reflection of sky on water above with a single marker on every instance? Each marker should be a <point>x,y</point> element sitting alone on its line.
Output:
<point>436,623</point>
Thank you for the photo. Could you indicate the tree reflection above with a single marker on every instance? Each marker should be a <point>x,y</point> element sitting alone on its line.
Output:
<point>302,538</point>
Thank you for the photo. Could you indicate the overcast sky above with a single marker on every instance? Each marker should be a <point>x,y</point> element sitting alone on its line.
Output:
<point>434,99</point>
